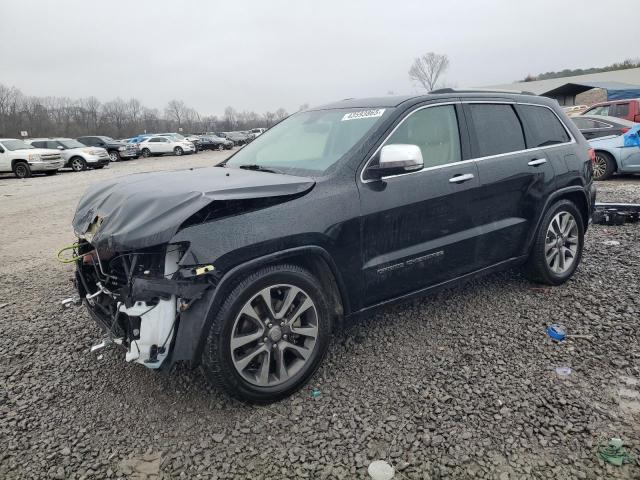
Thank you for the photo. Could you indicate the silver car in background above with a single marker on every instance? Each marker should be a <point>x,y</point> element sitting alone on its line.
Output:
<point>76,155</point>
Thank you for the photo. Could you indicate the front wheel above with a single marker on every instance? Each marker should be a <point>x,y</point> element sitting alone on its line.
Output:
<point>146,153</point>
<point>22,170</point>
<point>114,156</point>
<point>603,166</point>
<point>557,247</point>
<point>178,151</point>
<point>270,335</point>
<point>78,164</point>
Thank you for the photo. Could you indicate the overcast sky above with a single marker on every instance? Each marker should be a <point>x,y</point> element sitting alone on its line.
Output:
<point>261,55</point>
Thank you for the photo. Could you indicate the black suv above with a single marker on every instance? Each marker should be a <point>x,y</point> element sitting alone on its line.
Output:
<point>117,150</point>
<point>244,268</point>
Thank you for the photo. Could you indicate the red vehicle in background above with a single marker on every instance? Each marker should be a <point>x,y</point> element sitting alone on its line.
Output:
<point>628,109</point>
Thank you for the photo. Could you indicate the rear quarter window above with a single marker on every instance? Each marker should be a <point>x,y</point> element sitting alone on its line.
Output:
<point>541,126</point>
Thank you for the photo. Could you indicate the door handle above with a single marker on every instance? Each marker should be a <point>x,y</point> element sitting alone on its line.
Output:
<point>461,178</point>
<point>536,162</point>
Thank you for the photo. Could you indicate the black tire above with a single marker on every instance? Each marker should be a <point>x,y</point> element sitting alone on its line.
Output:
<point>50,173</point>
<point>21,170</point>
<point>114,156</point>
<point>217,361</point>
<point>537,268</point>
<point>604,163</point>
<point>77,164</point>
<point>146,153</point>
<point>178,151</point>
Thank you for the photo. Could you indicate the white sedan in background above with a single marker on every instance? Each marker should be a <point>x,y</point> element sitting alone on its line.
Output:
<point>163,145</point>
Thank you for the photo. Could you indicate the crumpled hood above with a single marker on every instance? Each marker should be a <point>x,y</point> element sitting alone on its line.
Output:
<point>146,209</point>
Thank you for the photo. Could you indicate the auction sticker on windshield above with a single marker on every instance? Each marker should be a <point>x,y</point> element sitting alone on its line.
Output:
<point>376,112</point>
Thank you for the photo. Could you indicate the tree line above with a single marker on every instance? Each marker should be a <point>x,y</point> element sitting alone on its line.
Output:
<point>628,63</point>
<point>118,118</point>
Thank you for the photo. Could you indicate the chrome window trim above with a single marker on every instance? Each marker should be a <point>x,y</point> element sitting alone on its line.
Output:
<point>475,159</point>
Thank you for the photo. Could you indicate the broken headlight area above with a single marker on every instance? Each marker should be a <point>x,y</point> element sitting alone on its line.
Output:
<point>137,297</point>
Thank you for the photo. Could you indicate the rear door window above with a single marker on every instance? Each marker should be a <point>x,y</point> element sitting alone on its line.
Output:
<point>541,126</point>
<point>497,129</point>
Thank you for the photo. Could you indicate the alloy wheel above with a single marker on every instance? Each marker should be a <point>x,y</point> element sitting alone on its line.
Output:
<point>274,335</point>
<point>561,243</point>
<point>599,166</point>
<point>77,165</point>
<point>21,171</point>
<point>113,156</point>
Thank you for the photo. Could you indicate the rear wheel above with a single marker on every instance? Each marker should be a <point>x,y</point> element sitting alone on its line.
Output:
<point>557,247</point>
<point>178,151</point>
<point>22,170</point>
<point>78,164</point>
<point>603,166</point>
<point>270,335</point>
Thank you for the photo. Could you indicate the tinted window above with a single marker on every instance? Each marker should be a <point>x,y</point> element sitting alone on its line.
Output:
<point>90,141</point>
<point>621,110</point>
<point>497,129</point>
<point>39,144</point>
<point>541,126</point>
<point>435,131</point>
<point>52,144</point>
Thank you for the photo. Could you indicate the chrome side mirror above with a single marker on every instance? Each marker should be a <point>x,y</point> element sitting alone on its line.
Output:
<point>397,159</point>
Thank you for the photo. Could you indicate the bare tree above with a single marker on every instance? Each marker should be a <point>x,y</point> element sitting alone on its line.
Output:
<point>175,111</point>
<point>281,114</point>
<point>427,69</point>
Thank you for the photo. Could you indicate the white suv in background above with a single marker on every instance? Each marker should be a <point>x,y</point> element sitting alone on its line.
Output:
<point>22,159</point>
<point>158,145</point>
<point>76,155</point>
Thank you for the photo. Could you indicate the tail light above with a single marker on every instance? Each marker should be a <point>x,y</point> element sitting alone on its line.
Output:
<point>592,155</point>
<point>624,130</point>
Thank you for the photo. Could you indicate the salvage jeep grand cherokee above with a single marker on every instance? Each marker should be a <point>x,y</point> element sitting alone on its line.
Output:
<point>244,268</point>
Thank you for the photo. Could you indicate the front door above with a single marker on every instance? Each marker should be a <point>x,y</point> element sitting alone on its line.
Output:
<point>419,228</point>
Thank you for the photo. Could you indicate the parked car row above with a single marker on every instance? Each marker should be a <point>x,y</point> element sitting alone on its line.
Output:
<point>48,155</point>
<point>612,129</point>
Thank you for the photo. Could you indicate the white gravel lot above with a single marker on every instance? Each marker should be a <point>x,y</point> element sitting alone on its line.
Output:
<point>457,385</point>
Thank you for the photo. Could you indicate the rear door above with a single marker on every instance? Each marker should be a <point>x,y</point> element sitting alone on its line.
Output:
<point>418,228</point>
<point>514,180</point>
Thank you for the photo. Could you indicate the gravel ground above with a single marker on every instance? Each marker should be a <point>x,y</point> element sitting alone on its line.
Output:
<point>456,385</point>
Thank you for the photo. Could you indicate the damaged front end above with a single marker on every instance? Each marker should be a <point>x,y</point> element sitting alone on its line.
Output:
<point>137,297</point>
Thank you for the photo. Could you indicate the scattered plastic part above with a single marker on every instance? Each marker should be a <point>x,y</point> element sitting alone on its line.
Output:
<point>380,470</point>
<point>563,372</point>
<point>557,332</point>
<point>315,393</point>
<point>614,452</point>
<point>611,243</point>
<point>71,302</point>
<point>101,345</point>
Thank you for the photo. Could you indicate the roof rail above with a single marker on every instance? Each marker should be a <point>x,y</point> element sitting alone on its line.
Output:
<point>479,90</point>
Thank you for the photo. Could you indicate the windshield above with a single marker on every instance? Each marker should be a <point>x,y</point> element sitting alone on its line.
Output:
<point>311,141</point>
<point>16,145</point>
<point>71,144</point>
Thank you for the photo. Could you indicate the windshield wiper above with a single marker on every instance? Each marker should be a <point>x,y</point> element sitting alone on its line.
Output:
<point>259,168</point>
